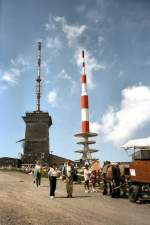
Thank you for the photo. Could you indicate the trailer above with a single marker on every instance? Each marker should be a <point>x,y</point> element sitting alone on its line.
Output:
<point>139,182</point>
<point>139,179</point>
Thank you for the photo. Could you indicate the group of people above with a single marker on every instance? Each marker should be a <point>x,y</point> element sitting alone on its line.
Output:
<point>112,178</point>
<point>89,176</point>
<point>68,171</point>
<point>69,174</point>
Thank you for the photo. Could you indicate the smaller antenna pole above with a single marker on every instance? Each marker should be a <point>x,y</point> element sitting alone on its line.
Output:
<point>83,63</point>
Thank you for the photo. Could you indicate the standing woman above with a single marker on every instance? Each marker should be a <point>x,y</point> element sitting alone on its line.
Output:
<point>52,174</point>
<point>37,174</point>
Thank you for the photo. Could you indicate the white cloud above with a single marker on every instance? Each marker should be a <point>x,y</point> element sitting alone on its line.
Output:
<point>45,66</point>
<point>52,98</point>
<point>53,43</point>
<point>63,75</point>
<point>50,25</point>
<point>71,32</point>
<point>118,126</point>
<point>17,67</point>
<point>9,78</point>
<point>94,15</point>
<point>95,127</point>
<point>53,39</point>
<point>91,65</point>
<point>20,61</point>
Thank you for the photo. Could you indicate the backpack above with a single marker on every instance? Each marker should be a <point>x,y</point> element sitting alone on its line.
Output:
<point>64,171</point>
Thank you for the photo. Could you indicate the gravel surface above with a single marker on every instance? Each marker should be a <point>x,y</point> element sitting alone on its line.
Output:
<point>23,204</point>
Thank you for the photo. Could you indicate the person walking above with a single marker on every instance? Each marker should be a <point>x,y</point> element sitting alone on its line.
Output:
<point>69,179</point>
<point>86,178</point>
<point>52,174</point>
<point>93,180</point>
<point>37,174</point>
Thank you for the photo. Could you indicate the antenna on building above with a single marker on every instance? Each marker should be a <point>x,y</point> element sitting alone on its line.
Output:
<point>38,78</point>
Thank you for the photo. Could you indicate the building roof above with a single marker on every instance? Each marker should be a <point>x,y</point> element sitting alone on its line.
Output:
<point>57,159</point>
<point>142,143</point>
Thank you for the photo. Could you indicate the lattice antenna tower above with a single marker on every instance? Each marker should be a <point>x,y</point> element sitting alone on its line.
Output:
<point>38,77</point>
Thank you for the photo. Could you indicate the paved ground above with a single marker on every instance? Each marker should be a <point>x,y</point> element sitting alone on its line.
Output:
<point>22,204</point>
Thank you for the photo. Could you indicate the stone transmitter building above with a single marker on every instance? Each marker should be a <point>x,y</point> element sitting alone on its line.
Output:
<point>36,143</point>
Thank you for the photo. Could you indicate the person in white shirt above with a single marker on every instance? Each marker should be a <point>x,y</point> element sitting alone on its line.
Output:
<point>37,174</point>
<point>86,178</point>
<point>52,174</point>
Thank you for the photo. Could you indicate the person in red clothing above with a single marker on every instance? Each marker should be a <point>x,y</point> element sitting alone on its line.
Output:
<point>93,180</point>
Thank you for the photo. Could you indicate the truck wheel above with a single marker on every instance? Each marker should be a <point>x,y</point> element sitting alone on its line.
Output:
<point>134,193</point>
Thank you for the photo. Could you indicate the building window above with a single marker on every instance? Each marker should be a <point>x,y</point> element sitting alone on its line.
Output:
<point>42,155</point>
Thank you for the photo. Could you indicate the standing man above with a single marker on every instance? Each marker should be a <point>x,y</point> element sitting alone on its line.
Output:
<point>69,179</point>
<point>37,174</point>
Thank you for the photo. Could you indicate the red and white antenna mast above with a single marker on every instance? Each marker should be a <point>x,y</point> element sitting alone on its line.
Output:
<point>85,134</point>
<point>38,77</point>
<point>84,100</point>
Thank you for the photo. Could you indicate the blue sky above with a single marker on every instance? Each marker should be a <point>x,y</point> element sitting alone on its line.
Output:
<point>115,35</point>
